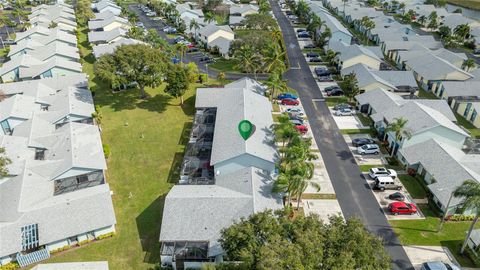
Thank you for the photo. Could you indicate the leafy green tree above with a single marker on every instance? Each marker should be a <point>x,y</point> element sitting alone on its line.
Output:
<point>209,16</point>
<point>260,21</point>
<point>195,26</point>
<point>132,63</point>
<point>154,39</point>
<point>398,127</point>
<point>274,58</point>
<point>331,56</point>
<point>221,77</point>
<point>349,86</point>
<point>284,130</point>
<point>468,64</point>
<point>84,11</point>
<point>248,60</point>
<point>470,192</point>
<point>462,31</point>
<point>444,31</point>
<point>4,162</point>
<point>181,49</point>
<point>136,33</point>
<point>263,7</point>
<point>315,23</point>
<point>275,83</point>
<point>433,20</point>
<point>177,81</point>
<point>192,72</point>
<point>267,240</point>
<point>422,20</point>
<point>302,10</point>
<point>324,37</point>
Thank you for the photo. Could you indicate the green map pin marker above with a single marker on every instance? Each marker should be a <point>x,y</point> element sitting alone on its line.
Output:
<point>246,129</point>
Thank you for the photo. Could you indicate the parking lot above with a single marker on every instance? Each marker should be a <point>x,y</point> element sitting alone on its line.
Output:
<point>364,159</point>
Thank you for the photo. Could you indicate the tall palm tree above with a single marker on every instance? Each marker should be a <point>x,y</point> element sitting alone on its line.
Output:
<point>285,184</point>
<point>5,22</point>
<point>248,60</point>
<point>276,34</point>
<point>468,64</point>
<point>462,31</point>
<point>302,173</point>
<point>330,57</point>
<point>422,20</point>
<point>275,82</point>
<point>315,23</point>
<point>181,49</point>
<point>470,191</point>
<point>398,127</point>
<point>209,16</point>
<point>194,25</point>
<point>284,130</point>
<point>273,58</point>
<point>433,20</point>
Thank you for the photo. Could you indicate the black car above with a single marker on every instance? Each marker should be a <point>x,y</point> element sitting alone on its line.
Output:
<point>315,60</point>
<point>335,93</point>
<point>295,118</point>
<point>204,58</point>
<point>301,30</point>
<point>289,12</point>
<point>309,46</point>
<point>332,88</point>
<point>362,141</point>
<point>321,71</point>
<point>193,49</point>
<point>397,196</point>
<point>313,54</point>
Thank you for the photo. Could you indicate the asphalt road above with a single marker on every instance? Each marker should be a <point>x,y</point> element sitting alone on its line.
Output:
<point>158,25</point>
<point>353,193</point>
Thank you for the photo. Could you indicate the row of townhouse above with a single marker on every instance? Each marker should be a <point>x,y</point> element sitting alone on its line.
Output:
<point>433,67</point>
<point>223,177</point>
<point>367,62</point>
<point>435,151</point>
<point>55,194</point>
<point>107,30</point>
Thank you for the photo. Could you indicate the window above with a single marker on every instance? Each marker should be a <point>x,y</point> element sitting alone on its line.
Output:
<point>6,127</point>
<point>39,154</point>
<point>29,236</point>
<point>82,179</point>
<point>467,109</point>
<point>44,107</point>
<point>474,115</point>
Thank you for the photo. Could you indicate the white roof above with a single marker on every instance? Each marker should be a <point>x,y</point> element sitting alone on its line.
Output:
<point>106,36</point>
<point>99,50</point>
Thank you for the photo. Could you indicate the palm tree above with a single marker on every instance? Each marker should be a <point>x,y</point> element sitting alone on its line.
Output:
<point>462,31</point>
<point>470,191</point>
<point>367,24</point>
<point>302,173</point>
<point>276,34</point>
<point>422,20</point>
<point>315,23</point>
<point>401,6</point>
<point>284,130</point>
<point>249,61</point>
<point>275,82</point>
<point>221,77</point>
<point>273,58</point>
<point>209,16</point>
<point>330,57</point>
<point>398,127</point>
<point>284,184</point>
<point>5,21</point>
<point>433,23</point>
<point>444,31</point>
<point>468,64</point>
<point>194,25</point>
<point>181,49</point>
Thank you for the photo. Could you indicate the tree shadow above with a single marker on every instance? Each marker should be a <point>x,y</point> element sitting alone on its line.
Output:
<point>157,103</point>
<point>189,106</point>
<point>148,226</point>
<point>185,135</point>
<point>174,173</point>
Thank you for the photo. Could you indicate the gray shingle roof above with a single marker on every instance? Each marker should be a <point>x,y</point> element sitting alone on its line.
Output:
<point>432,67</point>
<point>242,8</point>
<point>35,70</point>
<point>462,88</point>
<point>96,24</point>
<point>99,50</point>
<point>199,212</point>
<point>210,29</point>
<point>444,162</point>
<point>106,36</point>
<point>235,102</point>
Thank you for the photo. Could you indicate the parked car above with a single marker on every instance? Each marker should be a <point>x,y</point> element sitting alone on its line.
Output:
<point>362,141</point>
<point>476,51</point>
<point>192,49</point>
<point>296,122</point>
<point>343,106</point>
<point>9,42</point>
<point>310,46</point>
<point>335,93</point>
<point>286,95</point>
<point>289,101</point>
<point>368,149</point>
<point>438,266</point>
<point>313,54</point>
<point>151,14</point>
<point>344,112</point>
<point>204,58</point>
<point>325,78</point>
<point>294,110</point>
<point>404,208</point>
<point>299,115</point>
<point>289,12</point>
<point>170,30</point>
<point>397,196</point>
<point>331,88</point>
<point>303,35</point>
<point>386,182</point>
<point>139,24</point>
<point>322,71</point>
<point>315,60</point>
<point>302,129</point>
<point>300,30</point>
<point>381,171</point>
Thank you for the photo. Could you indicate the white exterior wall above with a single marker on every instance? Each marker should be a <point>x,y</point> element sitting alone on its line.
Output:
<point>74,172</point>
<point>241,162</point>
<point>364,59</point>
<point>103,231</point>
<point>56,245</point>
<point>440,134</point>
<point>220,33</point>
<point>9,76</point>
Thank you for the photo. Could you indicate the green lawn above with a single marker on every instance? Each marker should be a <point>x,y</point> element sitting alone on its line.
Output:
<point>366,121</point>
<point>356,131</point>
<point>240,33</point>
<point>475,132</point>
<point>424,94</point>
<point>413,186</point>
<point>424,232</point>
<point>367,167</point>
<point>146,139</point>
<point>332,101</point>
<point>473,4</point>
<point>225,65</point>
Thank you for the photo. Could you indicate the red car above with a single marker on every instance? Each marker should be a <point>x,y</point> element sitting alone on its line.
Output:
<point>289,101</point>
<point>302,129</point>
<point>402,208</point>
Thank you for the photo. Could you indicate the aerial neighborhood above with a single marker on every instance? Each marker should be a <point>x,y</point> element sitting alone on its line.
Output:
<point>237,134</point>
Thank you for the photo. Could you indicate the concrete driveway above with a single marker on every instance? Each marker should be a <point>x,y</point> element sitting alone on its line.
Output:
<point>347,122</point>
<point>421,254</point>
<point>364,159</point>
<point>323,208</point>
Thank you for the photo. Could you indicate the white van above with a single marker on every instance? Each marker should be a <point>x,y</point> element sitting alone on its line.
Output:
<point>386,182</point>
